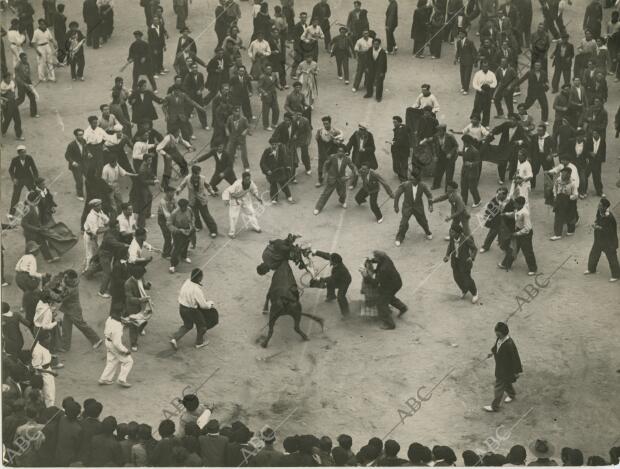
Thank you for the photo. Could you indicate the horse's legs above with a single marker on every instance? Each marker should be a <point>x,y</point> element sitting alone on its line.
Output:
<point>297,319</point>
<point>266,305</point>
<point>314,318</point>
<point>273,317</point>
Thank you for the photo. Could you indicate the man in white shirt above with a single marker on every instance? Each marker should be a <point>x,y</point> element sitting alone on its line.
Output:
<point>44,45</point>
<point>521,183</point>
<point>140,148</point>
<point>426,98</point>
<point>135,248</point>
<point>111,174</point>
<point>361,46</point>
<point>484,83</point>
<point>192,309</point>
<point>118,357</point>
<point>42,362</point>
<point>127,222</point>
<point>565,192</point>
<point>167,148</point>
<point>523,236</point>
<point>26,275</point>
<point>238,196</point>
<point>259,51</point>
<point>94,227</point>
<point>16,41</point>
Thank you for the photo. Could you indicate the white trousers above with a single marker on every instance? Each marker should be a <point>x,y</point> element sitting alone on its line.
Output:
<point>16,50</point>
<point>49,389</point>
<point>116,362</point>
<point>90,249</point>
<point>45,63</point>
<point>248,215</point>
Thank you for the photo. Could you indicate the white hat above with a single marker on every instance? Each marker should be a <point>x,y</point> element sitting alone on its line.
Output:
<point>363,125</point>
<point>21,147</point>
<point>94,202</point>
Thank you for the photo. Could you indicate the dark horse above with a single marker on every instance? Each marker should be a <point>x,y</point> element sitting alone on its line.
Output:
<point>283,295</point>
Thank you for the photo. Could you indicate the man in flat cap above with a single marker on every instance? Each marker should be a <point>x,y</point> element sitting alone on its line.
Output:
<point>140,56</point>
<point>95,225</point>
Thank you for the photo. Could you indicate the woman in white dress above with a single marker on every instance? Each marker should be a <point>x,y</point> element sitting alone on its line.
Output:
<point>308,71</point>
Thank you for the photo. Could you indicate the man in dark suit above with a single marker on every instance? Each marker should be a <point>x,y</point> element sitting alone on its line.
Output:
<point>541,153</point>
<point>461,253</point>
<point>413,190</point>
<point>302,135</point>
<point>340,279</point>
<point>577,103</point>
<point>23,172</point>
<point>141,101</point>
<point>401,147</point>
<point>194,84</point>
<point>507,367</point>
<point>605,241</point>
<point>157,41</point>
<point>175,107</point>
<point>241,90</point>
<point>391,23</point>
<point>90,13</point>
<point>91,426</point>
<point>223,165</point>
<point>186,43</point>
<point>334,172</point>
<point>75,154</point>
<point>213,446</point>
<point>512,136</point>
<point>217,73</point>
<point>506,76</point>
<point>140,55</point>
<point>562,62</point>
<point>277,168</point>
<point>597,148</point>
<point>361,147</point>
<point>466,56</point>
<point>445,148</point>
<point>537,86</point>
<point>376,60</point>
<point>388,282</point>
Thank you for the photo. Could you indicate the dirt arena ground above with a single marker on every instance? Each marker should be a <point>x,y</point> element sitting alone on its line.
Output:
<point>354,377</point>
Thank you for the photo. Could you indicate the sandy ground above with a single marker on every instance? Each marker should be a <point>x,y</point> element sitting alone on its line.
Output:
<point>354,377</point>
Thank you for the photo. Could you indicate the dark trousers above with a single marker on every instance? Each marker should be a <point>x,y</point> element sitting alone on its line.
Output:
<point>559,71</point>
<point>179,160</point>
<point>501,387</point>
<point>375,81</point>
<point>384,301</point>
<point>462,277</point>
<point>593,168</point>
<point>340,294</point>
<point>563,216</point>
<point>361,197</point>
<point>443,165</point>
<point>524,243</point>
<point>76,319</point>
<point>342,65</point>
<point>391,40</point>
<point>202,210</point>
<point>277,185</point>
<point>466,71</point>
<point>105,261</point>
<point>165,233</point>
<point>404,223</point>
<point>228,175</point>
<point>136,75</point>
<point>191,317</point>
<point>509,165</point>
<point>322,159</point>
<point>490,237</point>
<point>305,156</point>
<point>158,61</point>
<point>22,92</point>
<point>10,113</point>
<point>504,95</point>
<point>400,164</point>
<point>17,192</point>
<point>134,333</point>
<point>179,248</point>
<point>330,186</point>
<point>182,14</point>
<point>76,64</point>
<point>78,177</point>
<point>482,106</point>
<point>92,34</point>
<point>270,104</point>
<point>612,257</point>
<point>469,183</point>
<point>542,100</point>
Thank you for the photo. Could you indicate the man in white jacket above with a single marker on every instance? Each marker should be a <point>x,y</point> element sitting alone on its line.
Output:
<point>42,362</point>
<point>118,356</point>
<point>238,197</point>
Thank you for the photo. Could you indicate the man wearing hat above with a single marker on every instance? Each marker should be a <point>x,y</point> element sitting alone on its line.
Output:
<point>543,450</point>
<point>95,225</point>
<point>361,146</point>
<point>342,49</point>
<point>192,307</point>
<point>181,226</point>
<point>340,279</point>
<point>276,166</point>
<point>335,172</point>
<point>33,228</point>
<point>26,275</point>
<point>507,367</point>
<point>562,62</point>
<point>23,172</point>
<point>140,56</point>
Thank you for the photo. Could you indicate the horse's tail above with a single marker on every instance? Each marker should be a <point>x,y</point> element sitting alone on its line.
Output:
<point>315,318</point>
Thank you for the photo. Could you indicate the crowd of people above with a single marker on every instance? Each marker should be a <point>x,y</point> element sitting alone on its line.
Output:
<point>120,145</point>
